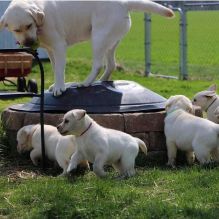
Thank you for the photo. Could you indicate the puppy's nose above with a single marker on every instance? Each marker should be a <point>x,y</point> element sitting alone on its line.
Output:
<point>29,42</point>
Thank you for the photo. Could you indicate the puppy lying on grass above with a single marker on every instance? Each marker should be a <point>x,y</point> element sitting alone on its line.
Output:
<point>189,133</point>
<point>209,102</point>
<point>58,148</point>
<point>100,145</point>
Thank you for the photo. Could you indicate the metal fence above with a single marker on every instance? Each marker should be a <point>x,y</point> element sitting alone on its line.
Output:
<point>193,51</point>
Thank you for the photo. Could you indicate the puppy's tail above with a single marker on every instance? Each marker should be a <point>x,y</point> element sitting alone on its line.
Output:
<point>142,145</point>
<point>149,6</point>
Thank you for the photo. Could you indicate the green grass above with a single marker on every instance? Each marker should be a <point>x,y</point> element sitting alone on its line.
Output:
<point>153,193</point>
<point>156,191</point>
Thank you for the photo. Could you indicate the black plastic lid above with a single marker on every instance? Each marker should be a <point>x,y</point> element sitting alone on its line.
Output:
<point>101,97</point>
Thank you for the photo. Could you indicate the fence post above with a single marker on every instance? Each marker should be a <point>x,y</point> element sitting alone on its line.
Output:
<point>147,19</point>
<point>183,43</point>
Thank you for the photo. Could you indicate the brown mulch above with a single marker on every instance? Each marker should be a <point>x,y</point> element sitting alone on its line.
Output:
<point>15,169</point>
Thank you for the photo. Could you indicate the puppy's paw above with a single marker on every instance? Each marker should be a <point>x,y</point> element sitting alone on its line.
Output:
<point>35,162</point>
<point>120,177</point>
<point>64,174</point>
<point>71,168</point>
<point>68,170</point>
<point>172,165</point>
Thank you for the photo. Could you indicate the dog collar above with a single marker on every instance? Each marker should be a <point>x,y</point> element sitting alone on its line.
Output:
<point>168,113</point>
<point>215,98</point>
<point>86,130</point>
<point>39,31</point>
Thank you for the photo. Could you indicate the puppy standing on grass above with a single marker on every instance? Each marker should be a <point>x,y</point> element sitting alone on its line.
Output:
<point>189,133</point>
<point>58,148</point>
<point>100,145</point>
<point>208,100</point>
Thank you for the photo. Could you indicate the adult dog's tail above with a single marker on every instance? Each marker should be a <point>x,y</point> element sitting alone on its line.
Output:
<point>142,145</point>
<point>149,6</point>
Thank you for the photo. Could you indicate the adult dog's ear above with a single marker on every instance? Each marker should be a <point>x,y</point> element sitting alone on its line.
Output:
<point>213,87</point>
<point>2,23</point>
<point>79,114</point>
<point>37,15</point>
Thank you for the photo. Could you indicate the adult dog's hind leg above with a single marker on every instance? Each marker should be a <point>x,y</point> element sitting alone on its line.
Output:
<point>100,47</point>
<point>110,63</point>
<point>106,34</point>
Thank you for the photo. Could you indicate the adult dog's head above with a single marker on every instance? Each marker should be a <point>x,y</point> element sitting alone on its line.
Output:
<point>73,122</point>
<point>179,102</point>
<point>24,19</point>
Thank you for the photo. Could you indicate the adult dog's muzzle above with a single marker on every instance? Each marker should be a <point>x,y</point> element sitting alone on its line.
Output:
<point>29,42</point>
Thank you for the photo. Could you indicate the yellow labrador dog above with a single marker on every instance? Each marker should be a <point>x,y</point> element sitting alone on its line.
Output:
<point>58,148</point>
<point>208,100</point>
<point>59,24</point>
<point>189,133</point>
<point>100,145</point>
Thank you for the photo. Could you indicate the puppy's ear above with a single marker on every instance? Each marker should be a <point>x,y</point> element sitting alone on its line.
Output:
<point>168,103</point>
<point>167,106</point>
<point>213,87</point>
<point>37,15</point>
<point>25,134</point>
<point>190,109</point>
<point>210,93</point>
<point>79,114</point>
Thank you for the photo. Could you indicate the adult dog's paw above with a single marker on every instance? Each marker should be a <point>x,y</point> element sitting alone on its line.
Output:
<point>57,91</point>
<point>51,88</point>
<point>84,84</point>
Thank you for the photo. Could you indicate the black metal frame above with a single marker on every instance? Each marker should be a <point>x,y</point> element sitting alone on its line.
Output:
<point>29,94</point>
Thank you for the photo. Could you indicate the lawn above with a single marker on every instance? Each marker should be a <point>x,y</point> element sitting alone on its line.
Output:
<point>156,191</point>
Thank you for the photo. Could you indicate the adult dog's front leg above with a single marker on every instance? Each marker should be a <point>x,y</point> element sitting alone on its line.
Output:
<point>59,58</point>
